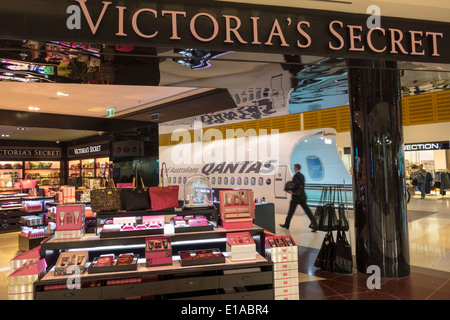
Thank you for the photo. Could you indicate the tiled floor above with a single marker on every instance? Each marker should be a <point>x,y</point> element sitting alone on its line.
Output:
<point>422,284</point>
<point>429,235</point>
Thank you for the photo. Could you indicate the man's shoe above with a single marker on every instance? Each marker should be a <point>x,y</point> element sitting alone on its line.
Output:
<point>284,226</point>
<point>313,230</point>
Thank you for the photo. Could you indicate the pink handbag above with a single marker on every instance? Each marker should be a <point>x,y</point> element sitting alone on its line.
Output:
<point>163,197</point>
<point>28,183</point>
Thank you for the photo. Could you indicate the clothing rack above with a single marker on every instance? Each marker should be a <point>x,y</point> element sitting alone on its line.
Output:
<point>442,181</point>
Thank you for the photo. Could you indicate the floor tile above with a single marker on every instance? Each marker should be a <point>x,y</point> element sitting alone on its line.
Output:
<point>369,295</point>
<point>302,277</point>
<point>412,288</point>
<point>343,288</point>
<point>314,290</point>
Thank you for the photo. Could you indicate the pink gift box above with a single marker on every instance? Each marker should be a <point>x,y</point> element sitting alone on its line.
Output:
<point>70,217</point>
<point>21,281</point>
<point>237,224</point>
<point>28,257</point>
<point>158,251</point>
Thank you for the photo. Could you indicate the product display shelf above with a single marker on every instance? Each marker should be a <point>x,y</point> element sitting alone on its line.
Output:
<point>10,217</point>
<point>91,240</point>
<point>209,213</point>
<point>242,280</point>
<point>149,212</point>
<point>51,248</point>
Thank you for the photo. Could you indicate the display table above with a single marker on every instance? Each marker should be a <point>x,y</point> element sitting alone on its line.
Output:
<point>252,279</point>
<point>51,247</point>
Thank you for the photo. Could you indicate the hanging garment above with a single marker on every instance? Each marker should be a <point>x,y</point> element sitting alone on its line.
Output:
<point>429,180</point>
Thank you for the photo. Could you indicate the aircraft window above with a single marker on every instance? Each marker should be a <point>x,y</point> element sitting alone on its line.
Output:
<point>239,181</point>
<point>213,180</point>
<point>219,180</point>
<point>170,179</point>
<point>268,181</point>
<point>225,181</point>
<point>246,181</point>
<point>184,180</point>
<point>232,181</point>
<point>253,181</point>
<point>179,180</point>
<point>260,181</point>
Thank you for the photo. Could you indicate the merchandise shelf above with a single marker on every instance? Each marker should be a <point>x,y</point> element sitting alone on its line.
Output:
<point>171,282</point>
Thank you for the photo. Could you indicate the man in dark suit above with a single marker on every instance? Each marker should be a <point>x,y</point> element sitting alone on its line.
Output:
<point>298,198</point>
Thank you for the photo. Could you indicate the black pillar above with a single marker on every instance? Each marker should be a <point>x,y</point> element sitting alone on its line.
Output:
<point>381,226</point>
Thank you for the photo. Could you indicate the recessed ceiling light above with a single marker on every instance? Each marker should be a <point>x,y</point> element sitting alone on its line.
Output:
<point>33,108</point>
<point>5,135</point>
<point>62,94</point>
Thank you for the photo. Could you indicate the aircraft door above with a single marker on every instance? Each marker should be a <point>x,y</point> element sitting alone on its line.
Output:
<point>280,182</point>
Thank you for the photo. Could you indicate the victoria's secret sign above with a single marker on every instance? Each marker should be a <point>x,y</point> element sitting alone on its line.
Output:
<point>227,26</point>
<point>95,149</point>
<point>18,153</point>
<point>146,23</point>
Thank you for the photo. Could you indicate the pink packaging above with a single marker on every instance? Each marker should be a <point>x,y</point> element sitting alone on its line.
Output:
<point>153,221</point>
<point>237,224</point>
<point>158,251</point>
<point>124,185</point>
<point>70,217</point>
<point>198,222</point>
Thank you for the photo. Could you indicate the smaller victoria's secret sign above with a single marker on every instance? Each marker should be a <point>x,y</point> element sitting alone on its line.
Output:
<point>19,153</point>
<point>88,150</point>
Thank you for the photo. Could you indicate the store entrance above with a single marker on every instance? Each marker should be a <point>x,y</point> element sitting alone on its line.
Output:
<point>304,97</point>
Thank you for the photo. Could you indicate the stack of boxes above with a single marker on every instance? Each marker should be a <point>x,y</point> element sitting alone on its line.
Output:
<point>284,254</point>
<point>66,195</point>
<point>25,269</point>
<point>241,246</point>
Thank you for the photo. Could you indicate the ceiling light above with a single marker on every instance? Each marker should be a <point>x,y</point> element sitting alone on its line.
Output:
<point>5,135</point>
<point>33,108</point>
<point>62,94</point>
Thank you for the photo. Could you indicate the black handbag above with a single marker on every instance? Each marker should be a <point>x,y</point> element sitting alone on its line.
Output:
<point>343,224</point>
<point>319,211</point>
<point>327,252</point>
<point>414,182</point>
<point>136,198</point>
<point>343,260</point>
<point>325,258</point>
<point>289,186</point>
<point>325,218</point>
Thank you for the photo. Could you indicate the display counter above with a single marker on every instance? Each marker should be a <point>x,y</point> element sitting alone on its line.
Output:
<point>14,207</point>
<point>242,280</point>
<point>51,247</point>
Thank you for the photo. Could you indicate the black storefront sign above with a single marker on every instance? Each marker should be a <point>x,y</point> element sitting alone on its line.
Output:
<point>438,145</point>
<point>225,26</point>
<point>19,153</point>
<point>89,150</point>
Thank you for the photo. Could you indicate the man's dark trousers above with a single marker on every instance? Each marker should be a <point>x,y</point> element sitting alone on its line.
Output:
<point>297,200</point>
